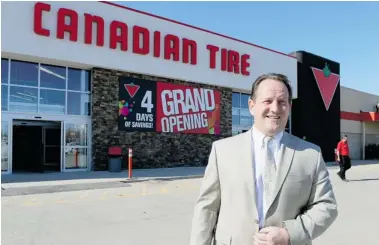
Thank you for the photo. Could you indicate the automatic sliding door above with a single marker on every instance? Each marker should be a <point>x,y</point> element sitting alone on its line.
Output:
<point>52,148</point>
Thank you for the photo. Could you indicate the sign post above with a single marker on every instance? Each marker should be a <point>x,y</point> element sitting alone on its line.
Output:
<point>130,168</point>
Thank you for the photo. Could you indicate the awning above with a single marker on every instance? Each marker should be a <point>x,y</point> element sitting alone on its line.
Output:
<point>362,116</point>
<point>370,116</point>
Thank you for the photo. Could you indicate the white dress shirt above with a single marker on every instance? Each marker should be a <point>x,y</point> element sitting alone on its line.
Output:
<point>258,165</point>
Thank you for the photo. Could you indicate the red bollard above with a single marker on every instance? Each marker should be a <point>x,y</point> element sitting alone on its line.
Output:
<point>130,163</point>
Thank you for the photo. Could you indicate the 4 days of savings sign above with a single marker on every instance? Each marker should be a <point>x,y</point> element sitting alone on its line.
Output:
<point>149,106</point>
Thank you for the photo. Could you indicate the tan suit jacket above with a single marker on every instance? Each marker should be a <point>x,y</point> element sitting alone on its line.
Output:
<point>226,211</point>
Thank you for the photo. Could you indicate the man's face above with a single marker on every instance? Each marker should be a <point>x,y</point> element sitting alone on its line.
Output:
<point>271,107</point>
<point>344,139</point>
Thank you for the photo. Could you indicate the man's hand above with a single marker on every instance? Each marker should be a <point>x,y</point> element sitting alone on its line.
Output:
<point>272,236</point>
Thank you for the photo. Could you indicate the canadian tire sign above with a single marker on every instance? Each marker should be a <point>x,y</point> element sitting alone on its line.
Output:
<point>327,83</point>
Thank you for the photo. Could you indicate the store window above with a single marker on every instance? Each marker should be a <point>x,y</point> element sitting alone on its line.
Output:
<point>78,103</point>
<point>242,120</point>
<point>4,146</point>
<point>4,84</point>
<point>24,73</point>
<point>236,100</point>
<point>4,71</point>
<point>52,101</point>
<point>78,95</point>
<point>4,98</point>
<point>78,80</point>
<point>53,77</point>
<point>23,99</point>
<point>44,89</point>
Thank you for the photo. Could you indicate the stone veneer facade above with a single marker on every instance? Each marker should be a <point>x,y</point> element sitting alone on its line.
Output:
<point>150,150</point>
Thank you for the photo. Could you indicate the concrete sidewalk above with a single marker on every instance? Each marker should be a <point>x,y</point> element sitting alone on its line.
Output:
<point>40,183</point>
<point>23,184</point>
<point>71,178</point>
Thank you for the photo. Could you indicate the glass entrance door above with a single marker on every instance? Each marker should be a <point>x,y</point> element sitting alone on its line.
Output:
<point>66,142</point>
<point>76,145</point>
<point>5,161</point>
<point>52,148</point>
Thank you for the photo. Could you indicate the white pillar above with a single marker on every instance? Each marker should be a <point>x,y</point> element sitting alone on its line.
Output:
<point>364,140</point>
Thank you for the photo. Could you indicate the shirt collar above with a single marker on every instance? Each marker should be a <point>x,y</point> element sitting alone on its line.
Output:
<point>258,136</point>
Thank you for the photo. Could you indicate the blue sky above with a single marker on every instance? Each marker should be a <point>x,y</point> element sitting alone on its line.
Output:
<point>292,26</point>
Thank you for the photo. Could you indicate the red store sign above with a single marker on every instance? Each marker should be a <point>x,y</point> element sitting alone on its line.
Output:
<point>176,49</point>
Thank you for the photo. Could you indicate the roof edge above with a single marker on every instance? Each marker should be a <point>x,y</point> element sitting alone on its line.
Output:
<point>194,27</point>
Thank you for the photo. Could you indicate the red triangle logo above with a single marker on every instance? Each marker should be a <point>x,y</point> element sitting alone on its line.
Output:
<point>131,89</point>
<point>327,83</point>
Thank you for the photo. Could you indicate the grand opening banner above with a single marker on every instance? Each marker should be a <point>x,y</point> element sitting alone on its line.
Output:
<point>149,106</point>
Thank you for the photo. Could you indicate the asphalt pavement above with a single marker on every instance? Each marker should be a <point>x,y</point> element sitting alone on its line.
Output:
<point>159,212</point>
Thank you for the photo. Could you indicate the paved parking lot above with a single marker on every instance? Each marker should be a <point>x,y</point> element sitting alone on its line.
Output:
<point>159,213</point>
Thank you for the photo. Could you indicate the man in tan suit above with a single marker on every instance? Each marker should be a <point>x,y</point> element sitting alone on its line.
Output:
<point>264,186</point>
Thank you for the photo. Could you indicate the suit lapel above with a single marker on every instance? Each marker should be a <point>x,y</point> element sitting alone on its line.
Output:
<point>247,162</point>
<point>287,150</point>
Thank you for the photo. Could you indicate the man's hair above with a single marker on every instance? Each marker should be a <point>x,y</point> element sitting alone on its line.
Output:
<point>274,76</point>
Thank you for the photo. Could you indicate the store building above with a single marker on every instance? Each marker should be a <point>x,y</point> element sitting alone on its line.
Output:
<point>325,111</point>
<point>360,122</point>
<point>79,77</point>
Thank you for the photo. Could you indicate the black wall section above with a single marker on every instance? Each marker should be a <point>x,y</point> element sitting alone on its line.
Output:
<point>309,115</point>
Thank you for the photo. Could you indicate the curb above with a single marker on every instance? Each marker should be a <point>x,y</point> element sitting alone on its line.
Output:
<point>142,179</point>
<point>119,183</point>
<point>32,190</point>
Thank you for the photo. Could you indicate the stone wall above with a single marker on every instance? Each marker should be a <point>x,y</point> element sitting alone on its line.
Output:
<point>150,150</point>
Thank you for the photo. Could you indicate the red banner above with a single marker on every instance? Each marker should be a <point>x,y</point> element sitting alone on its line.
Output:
<point>186,109</point>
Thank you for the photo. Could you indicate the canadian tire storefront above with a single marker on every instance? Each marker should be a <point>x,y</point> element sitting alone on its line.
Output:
<point>79,77</point>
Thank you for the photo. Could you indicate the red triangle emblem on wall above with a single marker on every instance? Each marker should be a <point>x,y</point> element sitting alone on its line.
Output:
<point>131,89</point>
<point>327,83</point>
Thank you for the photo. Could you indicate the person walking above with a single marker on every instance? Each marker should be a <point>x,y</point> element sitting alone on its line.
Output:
<point>343,157</point>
